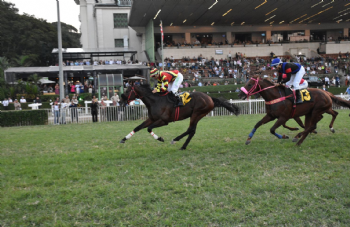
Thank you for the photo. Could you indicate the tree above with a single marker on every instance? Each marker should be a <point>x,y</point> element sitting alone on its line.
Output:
<point>4,64</point>
<point>25,35</point>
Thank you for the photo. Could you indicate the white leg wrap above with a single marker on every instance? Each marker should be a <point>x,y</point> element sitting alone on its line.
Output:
<point>130,135</point>
<point>154,135</point>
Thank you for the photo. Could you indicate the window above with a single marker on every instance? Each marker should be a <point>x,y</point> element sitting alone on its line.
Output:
<point>119,43</point>
<point>120,20</point>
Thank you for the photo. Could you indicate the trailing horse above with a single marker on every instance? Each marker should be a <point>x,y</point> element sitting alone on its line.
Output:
<point>161,111</point>
<point>282,109</point>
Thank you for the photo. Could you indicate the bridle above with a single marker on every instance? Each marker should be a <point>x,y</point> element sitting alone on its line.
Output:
<point>136,95</point>
<point>251,91</point>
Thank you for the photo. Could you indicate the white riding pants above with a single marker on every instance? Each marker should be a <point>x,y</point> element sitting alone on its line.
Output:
<point>174,86</point>
<point>302,86</point>
<point>296,78</point>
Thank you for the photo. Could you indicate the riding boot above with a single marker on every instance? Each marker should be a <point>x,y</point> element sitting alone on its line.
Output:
<point>180,103</point>
<point>178,100</point>
<point>298,96</point>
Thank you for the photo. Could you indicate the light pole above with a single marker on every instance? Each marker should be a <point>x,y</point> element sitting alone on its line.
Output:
<point>60,58</point>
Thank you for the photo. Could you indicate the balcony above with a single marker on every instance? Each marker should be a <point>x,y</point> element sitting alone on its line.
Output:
<point>123,2</point>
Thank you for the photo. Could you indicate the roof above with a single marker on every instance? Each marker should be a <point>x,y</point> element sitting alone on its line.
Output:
<point>55,69</point>
<point>235,12</point>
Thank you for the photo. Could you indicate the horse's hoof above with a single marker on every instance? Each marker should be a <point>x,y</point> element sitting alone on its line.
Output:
<point>161,139</point>
<point>295,140</point>
<point>332,130</point>
<point>247,142</point>
<point>182,148</point>
<point>173,142</point>
<point>314,132</point>
<point>122,141</point>
<point>285,137</point>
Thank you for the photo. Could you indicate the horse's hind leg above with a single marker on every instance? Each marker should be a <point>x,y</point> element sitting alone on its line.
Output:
<point>312,127</point>
<point>144,124</point>
<point>265,119</point>
<point>190,131</point>
<point>307,125</point>
<point>334,116</point>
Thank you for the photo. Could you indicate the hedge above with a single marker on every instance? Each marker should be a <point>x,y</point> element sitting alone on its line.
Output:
<point>22,118</point>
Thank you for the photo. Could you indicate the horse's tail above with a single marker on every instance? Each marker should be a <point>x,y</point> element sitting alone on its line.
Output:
<point>339,101</point>
<point>224,103</point>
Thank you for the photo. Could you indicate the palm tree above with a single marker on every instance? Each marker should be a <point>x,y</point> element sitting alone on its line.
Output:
<point>25,61</point>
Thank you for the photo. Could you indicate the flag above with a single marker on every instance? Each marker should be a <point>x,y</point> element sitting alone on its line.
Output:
<point>161,31</point>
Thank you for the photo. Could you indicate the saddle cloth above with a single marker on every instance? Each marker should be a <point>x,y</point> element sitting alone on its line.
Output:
<point>185,98</point>
<point>305,95</point>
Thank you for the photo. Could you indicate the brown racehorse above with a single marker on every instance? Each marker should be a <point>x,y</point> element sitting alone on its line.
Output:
<point>336,100</point>
<point>282,111</point>
<point>161,111</point>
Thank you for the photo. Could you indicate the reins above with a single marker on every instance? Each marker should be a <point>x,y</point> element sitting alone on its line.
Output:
<point>251,91</point>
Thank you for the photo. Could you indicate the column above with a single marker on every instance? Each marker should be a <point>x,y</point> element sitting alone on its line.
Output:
<point>346,32</point>
<point>188,37</point>
<point>268,36</point>
<point>229,37</point>
<point>65,77</point>
<point>307,34</point>
<point>95,83</point>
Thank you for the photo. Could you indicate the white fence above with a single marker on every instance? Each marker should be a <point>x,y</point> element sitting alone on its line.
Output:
<point>140,112</point>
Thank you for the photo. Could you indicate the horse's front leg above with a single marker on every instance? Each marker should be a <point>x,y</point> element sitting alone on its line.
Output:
<point>300,123</point>
<point>277,124</point>
<point>265,119</point>
<point>156,124</point>
<point>144,124</point>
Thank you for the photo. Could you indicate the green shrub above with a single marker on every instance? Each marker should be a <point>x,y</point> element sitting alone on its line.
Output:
<point>22,118</point>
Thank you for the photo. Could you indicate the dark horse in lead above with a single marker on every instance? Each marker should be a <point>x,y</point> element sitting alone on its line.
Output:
<point>161,111</point>
<point>283,111</point>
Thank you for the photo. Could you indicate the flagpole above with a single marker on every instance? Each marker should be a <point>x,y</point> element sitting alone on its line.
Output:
<point>162,37</point>
<point>60,58</point>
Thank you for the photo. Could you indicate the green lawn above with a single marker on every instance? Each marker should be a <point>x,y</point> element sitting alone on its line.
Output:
<point>79,175</point>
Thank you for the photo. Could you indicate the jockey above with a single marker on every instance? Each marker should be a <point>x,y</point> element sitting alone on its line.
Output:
<point>168,81</point>
<point>291,74</point>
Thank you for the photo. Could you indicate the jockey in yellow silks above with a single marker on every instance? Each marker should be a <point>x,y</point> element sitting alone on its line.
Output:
<point>168,81</point>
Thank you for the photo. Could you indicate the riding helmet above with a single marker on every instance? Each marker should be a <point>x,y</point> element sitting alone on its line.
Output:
<point>154,72</point>
<point>276,62</point>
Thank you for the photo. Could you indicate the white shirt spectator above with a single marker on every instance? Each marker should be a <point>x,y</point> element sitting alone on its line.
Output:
<point>5,103</point>
<point>111,62</point>
<point>95,63</point>
<point>63,105</point>
<point>22,100</point>
<point>10,100</point>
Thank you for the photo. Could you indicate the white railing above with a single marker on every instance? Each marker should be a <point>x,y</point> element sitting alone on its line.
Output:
<point>140,112</point>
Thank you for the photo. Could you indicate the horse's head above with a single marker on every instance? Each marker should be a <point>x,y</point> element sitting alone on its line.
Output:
<point>253,87</point>
<point>130,94</point>
<point>136,91</point>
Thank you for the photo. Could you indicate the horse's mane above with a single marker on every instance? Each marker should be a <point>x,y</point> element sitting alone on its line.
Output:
<point>268,81</point>
<point>146,88</point>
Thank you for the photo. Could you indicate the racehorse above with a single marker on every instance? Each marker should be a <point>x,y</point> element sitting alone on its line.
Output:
<point>161,111</point>
<point>282,108</point>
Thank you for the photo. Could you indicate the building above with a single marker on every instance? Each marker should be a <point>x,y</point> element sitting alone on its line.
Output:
<point>247,26</point>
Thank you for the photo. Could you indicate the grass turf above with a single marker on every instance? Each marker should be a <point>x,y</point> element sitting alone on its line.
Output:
<point>79,175</point>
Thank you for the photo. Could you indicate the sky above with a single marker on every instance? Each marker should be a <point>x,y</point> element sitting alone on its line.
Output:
<point>47,10</point>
